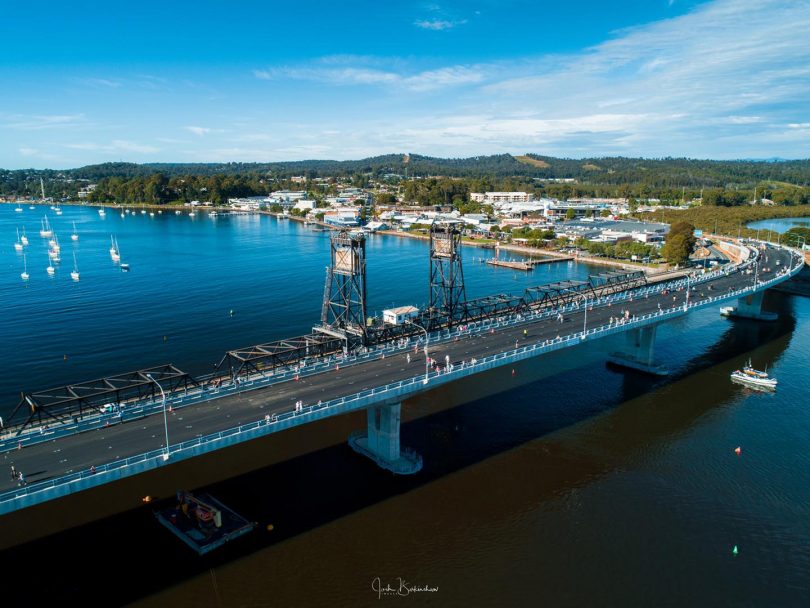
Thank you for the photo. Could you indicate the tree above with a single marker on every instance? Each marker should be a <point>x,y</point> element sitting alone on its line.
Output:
<point>680,242</point>
<point>570,214</point>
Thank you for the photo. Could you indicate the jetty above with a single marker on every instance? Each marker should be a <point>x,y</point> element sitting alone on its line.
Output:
<point>527,264</point>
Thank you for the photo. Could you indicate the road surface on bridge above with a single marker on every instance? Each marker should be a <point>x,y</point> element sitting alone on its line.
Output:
<point>45,461</point>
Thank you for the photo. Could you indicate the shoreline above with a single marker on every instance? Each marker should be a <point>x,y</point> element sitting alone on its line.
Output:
<point>519,249</point>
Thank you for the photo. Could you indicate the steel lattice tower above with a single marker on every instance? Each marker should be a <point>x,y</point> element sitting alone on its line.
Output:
<point>344,298</point>
<point>447,297</point>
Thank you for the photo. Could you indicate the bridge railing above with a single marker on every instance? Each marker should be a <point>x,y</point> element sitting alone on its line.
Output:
<point>400,389</point>
<point>146,407</point>
<point>138,409</point>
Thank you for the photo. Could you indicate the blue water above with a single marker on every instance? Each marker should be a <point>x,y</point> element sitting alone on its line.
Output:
<point>780,225</point>
<point>566,483</point>
<point>187,274</point>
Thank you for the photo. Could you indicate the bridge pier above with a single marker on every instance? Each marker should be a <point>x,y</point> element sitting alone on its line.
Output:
<point>380,441</point>
<point>750,307</point>
<point>638,350</point>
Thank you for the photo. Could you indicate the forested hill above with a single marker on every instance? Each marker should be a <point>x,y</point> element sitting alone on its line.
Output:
<point>662,173</point>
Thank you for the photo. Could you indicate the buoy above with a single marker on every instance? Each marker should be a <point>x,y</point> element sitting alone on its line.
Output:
<point>165,338</point>
<point>231,312</point>
<point>735,551</point>
<point>64,357</point>
<point>738,450</point>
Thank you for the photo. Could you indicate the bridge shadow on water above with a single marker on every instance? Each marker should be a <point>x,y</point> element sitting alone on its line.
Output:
<point>126,557</point>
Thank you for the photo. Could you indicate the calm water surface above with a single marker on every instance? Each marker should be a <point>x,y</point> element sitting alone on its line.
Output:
<point>567,484</point>
<point>780,225</point>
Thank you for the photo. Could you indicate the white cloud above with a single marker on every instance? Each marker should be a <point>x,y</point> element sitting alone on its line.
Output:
<point>28,151</point>
<point>427,80</point>
<point>438,25</point>
<point>101,83</point>
<point>199,131</point>
<point>26,122</point>
<point>118,145</point>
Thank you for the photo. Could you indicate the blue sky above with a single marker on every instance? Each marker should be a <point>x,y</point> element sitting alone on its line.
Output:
<point>213,81</point>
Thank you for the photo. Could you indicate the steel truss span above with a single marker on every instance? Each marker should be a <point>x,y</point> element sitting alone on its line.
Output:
<point>70,403</point>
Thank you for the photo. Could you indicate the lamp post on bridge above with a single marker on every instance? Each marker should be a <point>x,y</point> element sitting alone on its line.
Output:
<point>427,341</point>
<point>585,320</point>
<point>165,419</point>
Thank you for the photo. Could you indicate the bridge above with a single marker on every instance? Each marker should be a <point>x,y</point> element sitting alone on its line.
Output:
<point>85,435</point>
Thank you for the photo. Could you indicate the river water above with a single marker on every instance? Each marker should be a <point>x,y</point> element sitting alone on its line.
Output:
<point>780,225</point>
<point>566,483</point>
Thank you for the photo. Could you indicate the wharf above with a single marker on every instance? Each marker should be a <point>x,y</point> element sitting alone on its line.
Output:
<point>527,264</point>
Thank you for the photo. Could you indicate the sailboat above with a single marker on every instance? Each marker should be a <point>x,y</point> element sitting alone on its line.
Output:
<point>101,212</point>
<point>24,273</point>
<point>75,235</point>
<point>18,245</point>
<point>18,209</point>
<point>124,265</point>
<point>46,228</point>
<point>50,269</point>
<point>75,272</point>
<point>23,238</point>
<point>116,257</point>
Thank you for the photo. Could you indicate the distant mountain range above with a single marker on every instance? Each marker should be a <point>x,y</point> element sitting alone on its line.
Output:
<point>667,172</point>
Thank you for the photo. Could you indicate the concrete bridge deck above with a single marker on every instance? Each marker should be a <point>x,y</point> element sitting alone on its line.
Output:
<point>60,467</point>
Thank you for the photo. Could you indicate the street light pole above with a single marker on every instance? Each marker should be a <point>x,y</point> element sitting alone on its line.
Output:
<point>585,320</point>
<point>165,418</point>
<point>427,341</point>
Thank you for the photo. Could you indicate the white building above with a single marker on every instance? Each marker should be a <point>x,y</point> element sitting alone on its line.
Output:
<point>495,198</point>
<point>305,205</point>
<point>400,315</point>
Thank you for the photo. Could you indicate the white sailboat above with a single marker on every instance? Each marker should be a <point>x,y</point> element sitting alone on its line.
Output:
<point>50,269</point>
<point>24,274</point>
<point>18,209</point>
<point>116,257</point>
<point>124,266</point>
<point>75,272</point>
<point>75,235</point>
<point>46,230</point>
<point>24,239</point>
<point>18,246</point>
<point>101,212</point>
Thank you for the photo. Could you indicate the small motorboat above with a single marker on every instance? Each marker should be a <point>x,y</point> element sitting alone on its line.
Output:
<point>753,377</point>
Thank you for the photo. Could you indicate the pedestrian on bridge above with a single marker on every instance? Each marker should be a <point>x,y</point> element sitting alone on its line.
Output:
<point>408,357</point>
<point>13,473</point>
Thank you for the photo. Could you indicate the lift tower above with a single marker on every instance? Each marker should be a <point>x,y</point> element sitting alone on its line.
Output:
<point>447,297</point>
<point>344,298</point>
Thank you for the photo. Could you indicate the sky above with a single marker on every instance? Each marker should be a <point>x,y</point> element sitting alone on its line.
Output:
<point>211,81</point>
